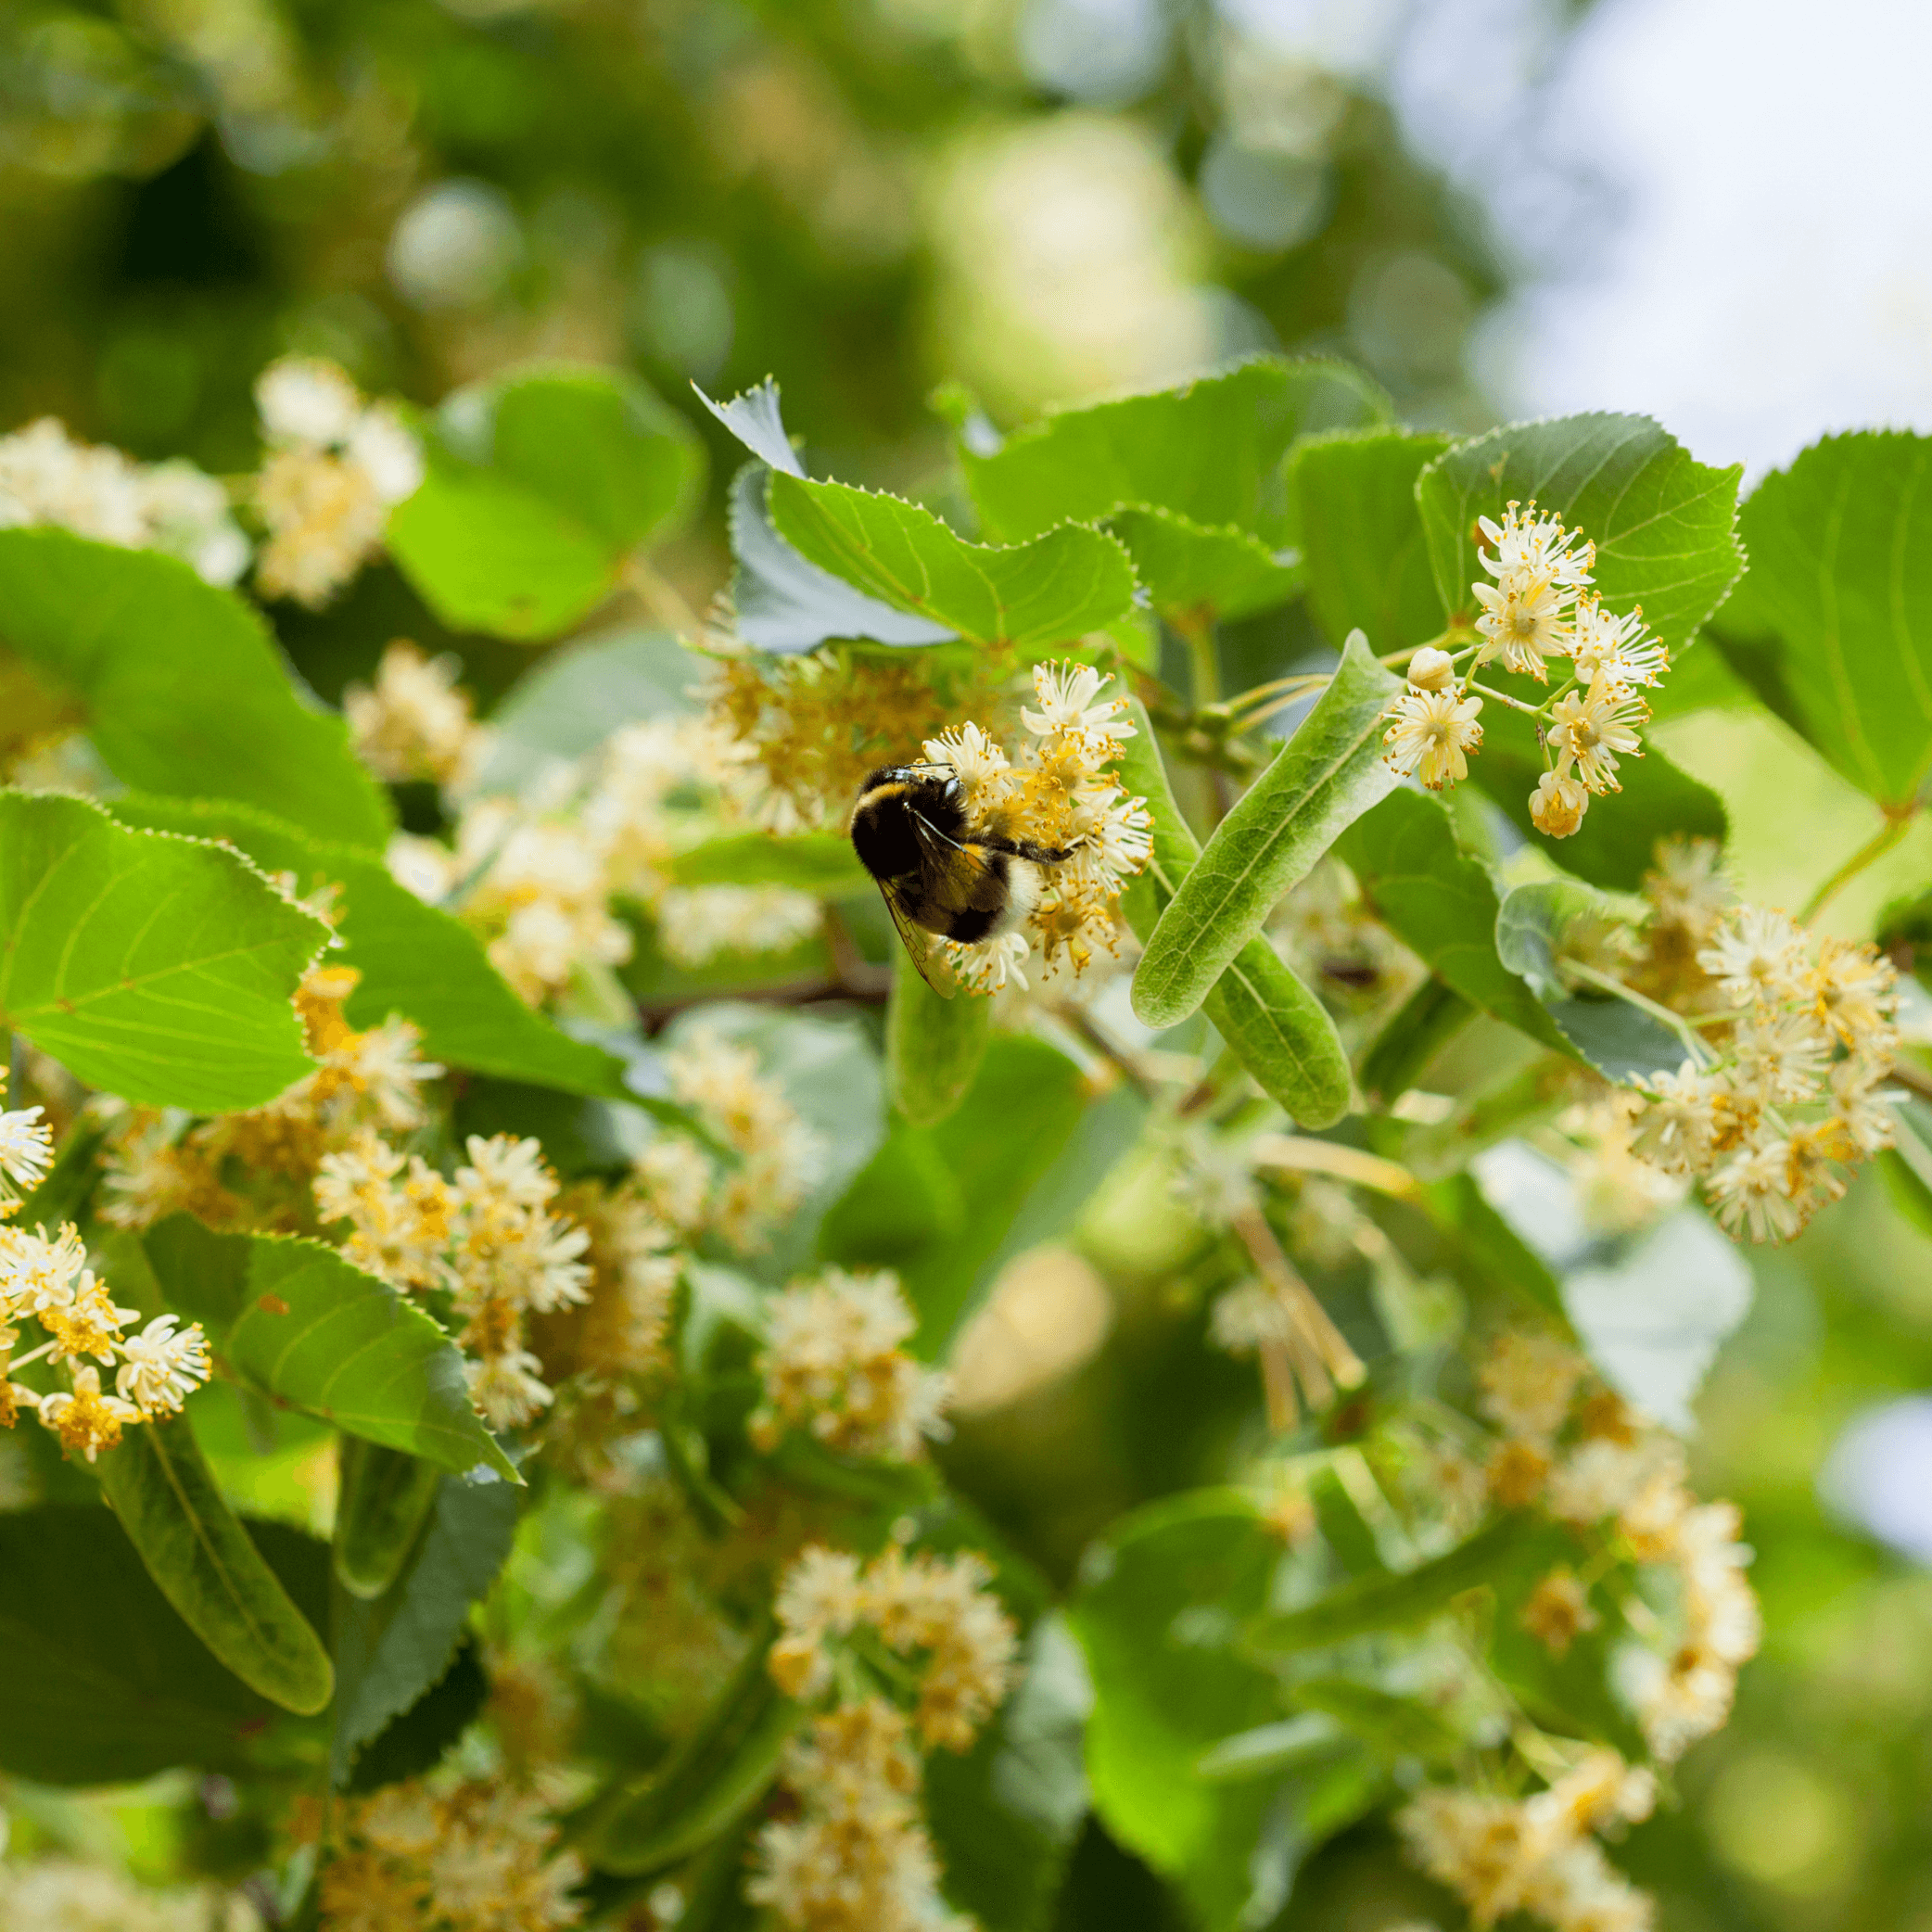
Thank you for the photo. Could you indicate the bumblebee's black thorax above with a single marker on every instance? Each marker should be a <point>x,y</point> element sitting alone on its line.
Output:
<point>882,830</point>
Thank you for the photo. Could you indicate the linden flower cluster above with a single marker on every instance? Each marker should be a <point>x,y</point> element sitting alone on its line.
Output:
<point>1617,1475</point>
<point>835,1366</point>
<point>630,814</point>
<point>857,1858</point>
<point>368,1078</point>
<point>49,1282</point>
<point>937,1607</point>
<point>337,466</point>
<point>48,478</point>
<point>619,1331</point>
<point>414,723</point>
<point>155,1370</point>
<point>809,730</point>
<point>1539,607</point>
<point>1789,1090</point>
<point>1060,795</point>
<point>537,878</point>
<point>1683,1683</point>
<point>487,1238</point>
<point>63,1895</point>
<point>779,1158</point>
<point>1537,1855</point>
<point>473,1857</point>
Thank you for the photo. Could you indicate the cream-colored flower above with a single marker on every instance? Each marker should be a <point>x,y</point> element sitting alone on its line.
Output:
<point>37,1274</point>
<point>306,400</point>
<point>1675,1129</point>
<point>1557,804</point>
<point>162,1366</point>
<point>1863,1105</point>
<point>857,1858</point>
<point>1686,885</point>
<point>87,1323</point>
<point>508,1389</point>
<point>1605,1477</point>
<point>1855,987</point>
<point>412,722</point>
<point>48,478</point>
<point>385,449</point>
<point>1524,622</point>
<point>26,1147</point>
<point>1431,736</point>
<point>1616,650</point>
<point>1557,1611</point>
<point>1070,705</point>
<point>1527,543</point>
<point>1528,1381</point>
<point>1757,954</point>
<point>1594,727</point>
<point>504,1169</point>
<point>85,1419</point>
<point>335,470</point>
<point>695,923</point>
<point>1751,1190</point>
<point>1780,1057</point>
<point>835,1366</point>
<point>422,866</point>
<point>989,965</point>
<point>975,755</point>
<point>819,1598</point>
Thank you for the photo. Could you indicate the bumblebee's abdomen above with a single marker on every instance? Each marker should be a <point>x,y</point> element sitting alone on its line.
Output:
<point>970,924</point>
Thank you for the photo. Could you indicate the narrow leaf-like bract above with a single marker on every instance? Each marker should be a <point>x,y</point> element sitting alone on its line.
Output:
<point>1281,1032</point>
<point>1327,776</point>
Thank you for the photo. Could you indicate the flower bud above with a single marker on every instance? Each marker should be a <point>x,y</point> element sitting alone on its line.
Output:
<point>1430,669</point>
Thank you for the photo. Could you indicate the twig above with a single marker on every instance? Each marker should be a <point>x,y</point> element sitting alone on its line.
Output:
<point>1081,1022</point>
<point>1908,1076</point>
<point>660,597</point>
<point>1898,820</point>
<point>1303,1154</point>
<point>854,971</point>
<point>1503,697</point>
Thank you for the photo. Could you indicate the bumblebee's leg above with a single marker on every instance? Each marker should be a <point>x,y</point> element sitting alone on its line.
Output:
<point>1028,848</point>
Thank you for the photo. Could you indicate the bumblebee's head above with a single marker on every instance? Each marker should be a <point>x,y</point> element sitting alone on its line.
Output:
<point>883,831</point>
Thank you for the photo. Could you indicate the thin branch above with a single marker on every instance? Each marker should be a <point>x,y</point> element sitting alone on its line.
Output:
<point>1895,828</point>
<point>1503,697</point>
<point>855,972</point>
<point>1915,1078</point>
<point>1080,1022</point>
<point>1301,1153</point>
<point>660,597</point>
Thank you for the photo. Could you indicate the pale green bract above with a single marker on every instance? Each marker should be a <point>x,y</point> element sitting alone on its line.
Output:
<point>1327,776</point>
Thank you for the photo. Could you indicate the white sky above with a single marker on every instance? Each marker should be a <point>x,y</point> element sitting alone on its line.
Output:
<point>1765,271</point>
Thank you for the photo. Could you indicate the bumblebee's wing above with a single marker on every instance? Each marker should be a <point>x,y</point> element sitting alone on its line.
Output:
<point>918,943</point>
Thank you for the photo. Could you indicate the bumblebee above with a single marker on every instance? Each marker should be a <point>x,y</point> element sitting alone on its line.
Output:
<point>938,871</point>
